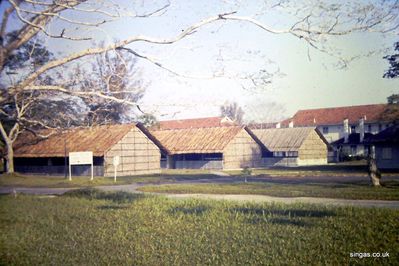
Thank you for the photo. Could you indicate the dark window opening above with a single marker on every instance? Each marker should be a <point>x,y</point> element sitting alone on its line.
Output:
<point>279,154</point>
<point>199,157</point>
<point>52,161</point>
<point>292,154</point>
<point>266,154</point>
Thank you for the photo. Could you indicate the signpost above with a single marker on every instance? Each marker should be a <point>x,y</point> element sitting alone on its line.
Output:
<point>116,163</point>
<point>80,158</point>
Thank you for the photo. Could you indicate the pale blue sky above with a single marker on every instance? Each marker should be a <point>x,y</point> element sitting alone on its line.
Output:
<point>239,48</point>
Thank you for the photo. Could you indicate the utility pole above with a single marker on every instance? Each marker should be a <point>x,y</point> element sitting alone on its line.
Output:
<point>65,158</point>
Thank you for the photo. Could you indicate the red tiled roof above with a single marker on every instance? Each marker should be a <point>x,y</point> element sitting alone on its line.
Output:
<point>336,115</point>
<point>192,123</point>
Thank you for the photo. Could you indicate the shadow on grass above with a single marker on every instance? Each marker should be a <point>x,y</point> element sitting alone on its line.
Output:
<point>287,221</point>
<point>198,210</point>
<point>390,184</point>
<point>289,213</point>
<point>361,167</point>
<point>278,221</point>
<point>186,177</point>
<point>92,193</point>
<point>112,207</point>
<point>394,184</point>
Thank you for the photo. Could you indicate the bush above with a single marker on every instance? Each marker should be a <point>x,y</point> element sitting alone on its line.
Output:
<point>246,171</point>
<point>93,193</point>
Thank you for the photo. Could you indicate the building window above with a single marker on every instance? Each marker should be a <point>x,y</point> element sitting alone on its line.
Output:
<point>292,154</point>
<point>369,128</point>
<point>353,129</point>
<point>325,130</point>
<point>387,153</point>
<point>279,154</point>
<point>379,127</point>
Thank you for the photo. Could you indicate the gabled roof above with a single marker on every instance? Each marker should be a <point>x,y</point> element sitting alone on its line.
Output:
<point>336,115</point>
<point>284,139</point>
<point>196,140</point>
<point>98,139</point>
<point>262,125</point>
<point>388,135</point>
<point>194,123</point>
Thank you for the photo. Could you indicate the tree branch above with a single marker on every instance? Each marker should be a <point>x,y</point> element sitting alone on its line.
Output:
<point>80,93</point>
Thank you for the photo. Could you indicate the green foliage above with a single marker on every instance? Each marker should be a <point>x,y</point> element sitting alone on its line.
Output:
<point>32,53</point>
<point>393,60</point>
<point>92,193</point>
<point>393,99</point>
<point>148,120</point>
<point>246,171</point>
<point>158,231</point>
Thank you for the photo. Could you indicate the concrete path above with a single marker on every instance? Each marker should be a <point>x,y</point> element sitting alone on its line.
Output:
<point>241,198</point>
<point>35,190</point>
<point>391,204</point>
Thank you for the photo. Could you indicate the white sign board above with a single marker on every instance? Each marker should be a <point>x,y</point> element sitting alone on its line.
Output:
<point>84,157</point>
<point>79,158</point>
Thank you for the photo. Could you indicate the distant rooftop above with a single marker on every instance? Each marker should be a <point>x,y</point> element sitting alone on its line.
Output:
<point>194,123</point>
<point>336,115</point>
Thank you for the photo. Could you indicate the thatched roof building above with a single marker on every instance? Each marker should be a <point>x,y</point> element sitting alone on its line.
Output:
<point>293,146</point>
<point>131,142</point>
<point>97,139</point>
<point>230,147</point>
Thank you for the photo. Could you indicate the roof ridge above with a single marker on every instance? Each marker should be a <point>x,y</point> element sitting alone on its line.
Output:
<point>190,118</point>
<point>337,107</point>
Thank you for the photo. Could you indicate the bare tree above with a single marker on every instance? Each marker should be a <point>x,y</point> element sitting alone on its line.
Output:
<point>32,19</point>
<point>113,73</point>
<point>232,111</point>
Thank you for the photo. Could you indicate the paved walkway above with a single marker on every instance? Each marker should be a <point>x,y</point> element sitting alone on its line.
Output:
<point>391,204</point>
<point>242,198</point>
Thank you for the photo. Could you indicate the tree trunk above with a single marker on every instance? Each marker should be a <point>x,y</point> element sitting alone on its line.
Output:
<point>10,158</point>
<point>374,173</point>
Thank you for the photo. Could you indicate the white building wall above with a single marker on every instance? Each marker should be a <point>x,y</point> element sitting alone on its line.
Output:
<point>336,132</point>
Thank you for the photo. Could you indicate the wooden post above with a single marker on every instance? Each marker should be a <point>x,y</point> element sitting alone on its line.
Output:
<point>70,172</point>
<point>115,162</point>
<point>92,171</point>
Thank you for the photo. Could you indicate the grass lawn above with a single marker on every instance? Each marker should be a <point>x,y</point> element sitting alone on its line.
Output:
<point>354,190</point>
<point>323,170</point>
<point>84,181</point>
<point>355,168</point>
<point>92,227</point>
